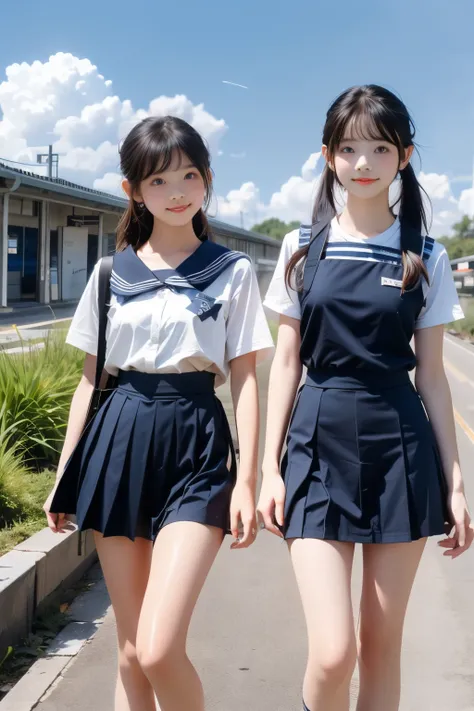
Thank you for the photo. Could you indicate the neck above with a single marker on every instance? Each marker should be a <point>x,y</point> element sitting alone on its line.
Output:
<point>366,218</point>
<point>166,239</point>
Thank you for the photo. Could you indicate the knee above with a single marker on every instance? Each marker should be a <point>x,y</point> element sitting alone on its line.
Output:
<point>128,658</point>
<point>335,664</point>
<point>158,659</point>
<point>379,643</point>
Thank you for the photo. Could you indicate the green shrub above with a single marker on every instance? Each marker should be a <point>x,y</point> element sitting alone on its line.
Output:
<point>36,388</point>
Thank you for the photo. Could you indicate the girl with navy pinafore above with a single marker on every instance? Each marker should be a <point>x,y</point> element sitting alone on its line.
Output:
<point>370,458</point>
<point>153,473</point>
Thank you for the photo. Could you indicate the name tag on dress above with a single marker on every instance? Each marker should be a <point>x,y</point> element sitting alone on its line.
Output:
<point>391,282</point>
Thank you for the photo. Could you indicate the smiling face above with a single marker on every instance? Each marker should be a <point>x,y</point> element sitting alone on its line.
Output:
<point>175,195</point>
<point>364,161</point>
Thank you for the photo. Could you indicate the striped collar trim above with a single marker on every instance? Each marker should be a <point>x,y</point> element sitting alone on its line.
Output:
<point>130,275</point>
<point>372,250</point>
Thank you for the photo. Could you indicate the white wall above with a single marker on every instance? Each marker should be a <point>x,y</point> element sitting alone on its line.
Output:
<point>74,261</point>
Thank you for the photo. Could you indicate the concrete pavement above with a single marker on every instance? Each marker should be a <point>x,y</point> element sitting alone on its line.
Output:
<point>248,640</point>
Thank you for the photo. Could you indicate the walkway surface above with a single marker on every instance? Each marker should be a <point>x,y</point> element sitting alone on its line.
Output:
<point>247,638</point>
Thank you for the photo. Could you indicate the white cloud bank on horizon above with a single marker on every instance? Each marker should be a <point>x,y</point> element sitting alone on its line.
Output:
<point>66,101</point>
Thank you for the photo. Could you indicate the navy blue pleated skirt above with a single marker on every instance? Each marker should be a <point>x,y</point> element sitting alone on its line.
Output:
<point>159,450</point>
<point>362,463</point>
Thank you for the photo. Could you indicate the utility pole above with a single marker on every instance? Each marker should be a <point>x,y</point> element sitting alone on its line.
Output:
<point>51,159</point>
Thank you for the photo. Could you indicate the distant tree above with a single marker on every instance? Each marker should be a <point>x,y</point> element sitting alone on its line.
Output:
<point>273,227</point>
<point>464,228</point>
<point>461,243</point>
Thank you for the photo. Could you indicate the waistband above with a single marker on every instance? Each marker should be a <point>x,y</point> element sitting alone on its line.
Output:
<point>166,384</point>
<point>357,380</point>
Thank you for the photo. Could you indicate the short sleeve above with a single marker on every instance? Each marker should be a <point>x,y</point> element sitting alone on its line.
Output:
<point>441,298</point>
<point>279,298</point>
<point>84,330</point>
<point>246,328</point>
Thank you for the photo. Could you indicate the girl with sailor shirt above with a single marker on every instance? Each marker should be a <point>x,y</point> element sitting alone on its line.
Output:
<point>154,472</point>
<point>370,457</point>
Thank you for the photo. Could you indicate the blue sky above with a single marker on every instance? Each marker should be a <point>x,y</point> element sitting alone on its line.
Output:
<point>295,57</point>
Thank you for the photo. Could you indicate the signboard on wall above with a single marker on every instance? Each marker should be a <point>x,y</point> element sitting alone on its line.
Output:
<point>74,262</point>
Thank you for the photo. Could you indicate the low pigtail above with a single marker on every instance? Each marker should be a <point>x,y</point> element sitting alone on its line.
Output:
<point>412,211</point>
<point>324,208</point>
<point>135,226</point>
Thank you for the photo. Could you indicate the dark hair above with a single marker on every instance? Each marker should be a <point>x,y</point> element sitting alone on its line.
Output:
<point>374,113</point>
<point>149,148</point>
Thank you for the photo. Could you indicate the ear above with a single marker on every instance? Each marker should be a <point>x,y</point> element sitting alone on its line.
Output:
<point>329,163</point>
<point>128,190</point>
<point>408,155</point>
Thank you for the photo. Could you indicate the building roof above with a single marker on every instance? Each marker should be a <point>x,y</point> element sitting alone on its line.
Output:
<point>458,260</point>
<point>73,190</point>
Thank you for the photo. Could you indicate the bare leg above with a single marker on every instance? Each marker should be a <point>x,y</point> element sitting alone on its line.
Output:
<point>389,572</point>
<point>126,566</point>
<point>323,573</point>
<point>182,557</point>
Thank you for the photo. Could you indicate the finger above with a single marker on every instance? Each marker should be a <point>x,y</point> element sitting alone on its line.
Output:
<point>234,523</point>
<point>447,543</point>
<point>270,525</point>
<point>248,536</point>
<point>52,520</point>
<point>459,550</point>
<point>461,534</point>
<point>279,511</point>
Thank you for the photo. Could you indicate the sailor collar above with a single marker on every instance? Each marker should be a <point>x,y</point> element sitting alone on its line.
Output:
<point>131,276</point>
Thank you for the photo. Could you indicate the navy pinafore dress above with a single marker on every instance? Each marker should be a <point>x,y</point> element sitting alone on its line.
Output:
<point>361,463</point>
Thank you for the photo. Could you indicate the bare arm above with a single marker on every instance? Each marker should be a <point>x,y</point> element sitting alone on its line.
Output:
<point>285,376</point>
<point>433,387</point>
<point>244,389</point>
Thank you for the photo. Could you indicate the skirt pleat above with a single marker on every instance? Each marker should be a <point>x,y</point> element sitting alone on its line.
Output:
<point>361,466</point>
<point>156,452</point>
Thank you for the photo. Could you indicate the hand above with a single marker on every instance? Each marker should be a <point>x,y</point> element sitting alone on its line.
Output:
<point>56,522</point>
<point>461,534</point>
<point>243,516</point>
<point>271,502</point>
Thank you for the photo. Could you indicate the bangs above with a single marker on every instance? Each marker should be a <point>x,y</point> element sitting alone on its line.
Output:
<point>366,120</point>
<point>156,145</point>
<point>162,153</point>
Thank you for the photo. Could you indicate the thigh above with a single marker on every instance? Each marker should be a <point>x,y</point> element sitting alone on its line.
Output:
<point>126,567</point>
<point>389,573</point>
<point>323,572</point>
<point>183,554</point>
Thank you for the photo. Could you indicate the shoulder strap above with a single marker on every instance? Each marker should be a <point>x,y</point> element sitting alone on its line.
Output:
<point>105,270</point>
<point>319,236</point>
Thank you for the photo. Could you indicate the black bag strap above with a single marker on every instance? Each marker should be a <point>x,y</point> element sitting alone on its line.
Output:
<point>319,237</point>
<point>105,271</point>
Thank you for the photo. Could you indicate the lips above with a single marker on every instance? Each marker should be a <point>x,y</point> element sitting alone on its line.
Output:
<point>365,181</point>
<point>179,209</point>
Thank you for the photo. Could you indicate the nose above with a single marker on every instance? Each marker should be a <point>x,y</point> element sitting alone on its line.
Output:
<point>362,163</point>
<point>176,194</point>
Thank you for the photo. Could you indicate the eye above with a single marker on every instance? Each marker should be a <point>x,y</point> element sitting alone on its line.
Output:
<point>382,149</point>
<point>190,176</point>
<point>347,149</point>
<point>158,181</point>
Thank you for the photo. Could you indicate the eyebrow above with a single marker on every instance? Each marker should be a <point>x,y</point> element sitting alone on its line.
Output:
<point>373,140</point>
<point>181,167</point>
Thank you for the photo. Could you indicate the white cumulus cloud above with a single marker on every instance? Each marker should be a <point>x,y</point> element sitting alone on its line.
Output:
<point>67,102</point>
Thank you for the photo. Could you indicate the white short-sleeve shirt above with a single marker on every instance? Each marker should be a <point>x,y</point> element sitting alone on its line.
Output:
<point>441,298</point>
<point>155,332</point>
